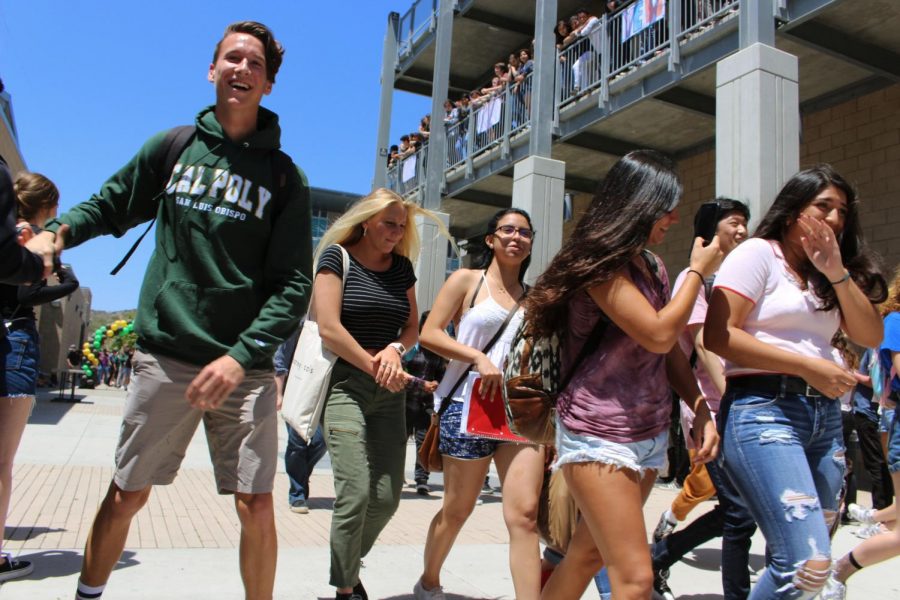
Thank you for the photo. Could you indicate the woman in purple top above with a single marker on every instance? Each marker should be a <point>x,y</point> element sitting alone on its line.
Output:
<point>613,417</point>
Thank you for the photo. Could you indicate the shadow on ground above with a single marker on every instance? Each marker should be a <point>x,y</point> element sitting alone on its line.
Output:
<point>22,533</point>
<point>710,559</point>
<point>62,563</point>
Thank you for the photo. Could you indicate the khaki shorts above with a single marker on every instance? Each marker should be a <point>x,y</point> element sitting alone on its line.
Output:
<point>158,425</point>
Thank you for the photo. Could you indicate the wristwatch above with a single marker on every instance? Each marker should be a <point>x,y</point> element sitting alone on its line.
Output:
<point>399,347</point>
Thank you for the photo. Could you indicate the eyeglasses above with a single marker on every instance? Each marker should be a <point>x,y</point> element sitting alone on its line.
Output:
<point>510,230</point>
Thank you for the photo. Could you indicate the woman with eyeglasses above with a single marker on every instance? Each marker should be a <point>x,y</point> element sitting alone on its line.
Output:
<point>478,301</point>
<point>776,304</point>
<point>613,417</point>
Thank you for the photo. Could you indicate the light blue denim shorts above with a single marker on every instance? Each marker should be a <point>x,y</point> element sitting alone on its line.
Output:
<point>885,419</point>
<point>636,456</point>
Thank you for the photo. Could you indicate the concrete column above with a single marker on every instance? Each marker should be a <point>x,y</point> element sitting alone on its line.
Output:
<point>437,140</point>
<point>757,125</point>
<point>388,64</point>
<point>538,188</point>
<point>431,265</point>
<point>543,79</point>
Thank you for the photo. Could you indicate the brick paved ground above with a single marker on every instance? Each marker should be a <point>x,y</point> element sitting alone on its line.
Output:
<point>184,542</point>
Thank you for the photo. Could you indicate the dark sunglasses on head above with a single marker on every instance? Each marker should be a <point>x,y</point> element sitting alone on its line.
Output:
<point>510,230</point>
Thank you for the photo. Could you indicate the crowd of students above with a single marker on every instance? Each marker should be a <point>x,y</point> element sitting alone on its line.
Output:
<point>744,338</point>
<point>760,314</point>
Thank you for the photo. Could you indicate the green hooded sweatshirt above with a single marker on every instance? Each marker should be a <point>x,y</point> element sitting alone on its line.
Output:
<point>230,273</point>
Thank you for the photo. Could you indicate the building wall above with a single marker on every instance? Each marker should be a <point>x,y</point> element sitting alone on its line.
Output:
<point>62,323</point>
<point>859,137</point>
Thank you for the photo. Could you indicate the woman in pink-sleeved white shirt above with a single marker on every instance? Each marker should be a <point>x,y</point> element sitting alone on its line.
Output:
<point>777,301</point>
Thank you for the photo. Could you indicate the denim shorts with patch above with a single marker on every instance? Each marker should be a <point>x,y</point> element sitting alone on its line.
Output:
<point>459,445</point>
<point>894,444</point>
<point>639,456</point>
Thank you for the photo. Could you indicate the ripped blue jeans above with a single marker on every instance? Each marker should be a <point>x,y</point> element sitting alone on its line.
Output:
<point>785,455</point>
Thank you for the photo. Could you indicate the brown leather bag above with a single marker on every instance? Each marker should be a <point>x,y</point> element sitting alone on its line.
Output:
<point>533,381</point>
<point>429,454</point>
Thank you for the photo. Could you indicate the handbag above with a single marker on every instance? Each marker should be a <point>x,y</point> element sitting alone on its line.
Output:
<point>429,453</point>
<point>533,376</point>
<point>307,383</point>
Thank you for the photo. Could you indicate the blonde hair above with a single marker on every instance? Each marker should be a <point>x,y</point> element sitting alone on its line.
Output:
<point>348,229</point>
<point>892,304</point>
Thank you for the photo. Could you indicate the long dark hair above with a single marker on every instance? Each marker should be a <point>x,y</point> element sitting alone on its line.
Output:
<point>796,195</point>
<point>639,190</point>
<point>483,255</point>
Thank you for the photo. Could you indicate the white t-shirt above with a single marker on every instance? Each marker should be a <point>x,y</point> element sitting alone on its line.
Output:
<point>783,315</point>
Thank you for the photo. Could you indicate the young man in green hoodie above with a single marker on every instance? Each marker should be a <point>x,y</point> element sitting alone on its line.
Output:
<point>227,283</point>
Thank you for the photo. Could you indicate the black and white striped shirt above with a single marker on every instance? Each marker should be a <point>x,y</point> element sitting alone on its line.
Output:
<point>375,305</point>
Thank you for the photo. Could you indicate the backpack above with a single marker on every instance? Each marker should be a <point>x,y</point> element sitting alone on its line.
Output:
<point>165,157</point>
<point>533,375</point>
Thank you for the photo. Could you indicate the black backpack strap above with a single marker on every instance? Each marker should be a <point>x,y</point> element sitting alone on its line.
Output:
<point>164,159</point>
<point>167,153</point>
<point>282,165</point>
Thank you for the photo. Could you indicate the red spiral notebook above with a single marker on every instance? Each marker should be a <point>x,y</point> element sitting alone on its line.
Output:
<point>486,418</point>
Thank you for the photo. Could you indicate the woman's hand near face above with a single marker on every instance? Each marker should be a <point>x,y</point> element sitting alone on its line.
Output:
<point>707,259</point>
<point>821,246</point>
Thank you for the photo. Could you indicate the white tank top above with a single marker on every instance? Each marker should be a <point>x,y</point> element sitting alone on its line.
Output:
<point>476,328</point>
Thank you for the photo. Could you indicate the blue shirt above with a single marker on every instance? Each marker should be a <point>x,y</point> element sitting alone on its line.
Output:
<point>891,343</point>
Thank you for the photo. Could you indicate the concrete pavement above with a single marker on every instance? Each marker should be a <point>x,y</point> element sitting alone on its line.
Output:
<point>184,543</point>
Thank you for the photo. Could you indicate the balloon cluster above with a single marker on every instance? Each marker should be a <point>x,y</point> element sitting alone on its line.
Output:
<point>120,327</point>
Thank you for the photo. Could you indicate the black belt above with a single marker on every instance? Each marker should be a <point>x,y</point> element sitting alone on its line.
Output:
<point>775,384</point>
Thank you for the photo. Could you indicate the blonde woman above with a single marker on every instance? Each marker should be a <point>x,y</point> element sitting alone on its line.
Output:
<point>369,326</point>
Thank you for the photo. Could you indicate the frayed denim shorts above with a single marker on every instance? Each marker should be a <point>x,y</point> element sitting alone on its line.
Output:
<point>21,357</point>
<point>893,456</point>
<point>885,418</point>
<point>635,456</point>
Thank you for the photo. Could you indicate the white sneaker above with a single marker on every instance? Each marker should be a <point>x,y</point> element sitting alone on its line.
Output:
<point>866,516</point>
<point>868,531</point>
<point>833,590</point>
<point>664,527</point>
<point>420,593</point>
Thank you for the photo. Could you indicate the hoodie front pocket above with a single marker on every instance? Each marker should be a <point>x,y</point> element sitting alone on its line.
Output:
<point>195,317</point>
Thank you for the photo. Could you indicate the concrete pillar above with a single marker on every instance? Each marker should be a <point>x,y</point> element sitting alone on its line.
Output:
<point>757,125</point>
<point>538,188</point>
<point>437,140</point>
<point>543,79</point>
<point>388,64</point>
<point>431,265</point>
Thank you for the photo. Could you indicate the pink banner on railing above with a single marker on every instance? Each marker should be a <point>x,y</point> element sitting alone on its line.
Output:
<point>641,15</point>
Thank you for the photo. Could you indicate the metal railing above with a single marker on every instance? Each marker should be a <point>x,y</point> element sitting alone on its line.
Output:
<point>408,174</point>
<point>494,121</point>
<point>613,47</point>
<point>618,44</point>
<point>699,15</point>
<point>420,18</point>
<point>7,115</point>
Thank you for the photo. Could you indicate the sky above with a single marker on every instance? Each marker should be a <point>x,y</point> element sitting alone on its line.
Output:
<point>91,80</point>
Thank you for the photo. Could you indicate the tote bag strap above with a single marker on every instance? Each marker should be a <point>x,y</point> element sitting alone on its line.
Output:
<point>310,315</point>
